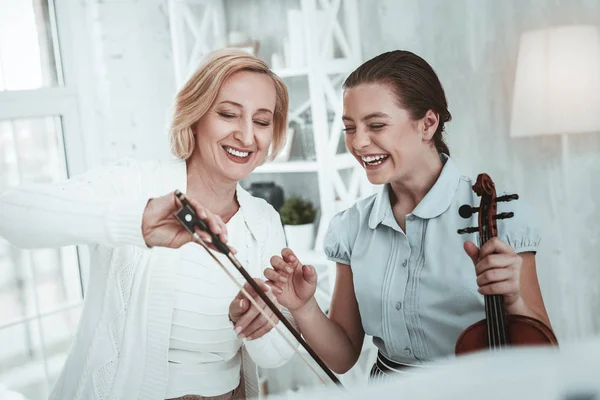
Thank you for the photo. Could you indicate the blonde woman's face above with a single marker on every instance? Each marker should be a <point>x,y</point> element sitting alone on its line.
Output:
<point>234,136</point>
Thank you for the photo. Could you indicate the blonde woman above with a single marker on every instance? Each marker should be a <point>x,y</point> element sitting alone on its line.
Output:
<point>160,319</point>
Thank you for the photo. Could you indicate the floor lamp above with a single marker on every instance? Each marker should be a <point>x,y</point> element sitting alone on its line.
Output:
<point>557,89</point>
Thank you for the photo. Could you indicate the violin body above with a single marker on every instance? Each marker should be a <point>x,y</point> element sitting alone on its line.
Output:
<point>521,331</point>
<point>498,330</point>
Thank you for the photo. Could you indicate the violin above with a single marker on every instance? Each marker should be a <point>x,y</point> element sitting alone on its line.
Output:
<point>497,330</point>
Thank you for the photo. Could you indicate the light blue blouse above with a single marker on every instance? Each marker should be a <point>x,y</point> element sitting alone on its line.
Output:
<point>417,290</point>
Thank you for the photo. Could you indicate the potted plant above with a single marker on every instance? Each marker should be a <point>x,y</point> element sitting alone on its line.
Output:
<point>298,218</point>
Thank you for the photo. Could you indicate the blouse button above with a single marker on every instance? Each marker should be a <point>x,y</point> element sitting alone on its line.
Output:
<point>410,217</point>
<point>398,305</point>
<point>404,263</point>
<point>407,351</point>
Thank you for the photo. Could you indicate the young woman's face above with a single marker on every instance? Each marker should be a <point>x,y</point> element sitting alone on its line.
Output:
<point>381,135</point>
<point>234,136</point>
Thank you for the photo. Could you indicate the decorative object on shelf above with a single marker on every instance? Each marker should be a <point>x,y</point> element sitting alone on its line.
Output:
<point>298,218</point>
<point>277,61</point>
<point>307,139</point>
<point>295,43</point>
<point>268,191</point>
<point>284,153</point>
<point>242,41</point>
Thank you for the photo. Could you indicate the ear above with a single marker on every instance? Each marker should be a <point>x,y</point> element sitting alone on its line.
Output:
<point>429,124</point>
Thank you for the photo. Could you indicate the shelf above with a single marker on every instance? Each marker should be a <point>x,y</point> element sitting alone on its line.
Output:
<point>337,66</point>
<point>287,166</point>
<point>345,160</point>
<point>290,72</point>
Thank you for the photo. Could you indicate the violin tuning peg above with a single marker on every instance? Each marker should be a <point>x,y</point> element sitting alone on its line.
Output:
<point>467,230</point>
<point>508,197</point>
<point>466,210</point>
<point>504,215</point>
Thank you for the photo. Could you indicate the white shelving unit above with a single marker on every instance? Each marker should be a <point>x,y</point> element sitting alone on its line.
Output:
<point>337,26</point>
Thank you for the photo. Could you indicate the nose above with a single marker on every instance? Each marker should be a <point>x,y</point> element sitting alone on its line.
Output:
<point>245,133</point>
<point>360,140</point>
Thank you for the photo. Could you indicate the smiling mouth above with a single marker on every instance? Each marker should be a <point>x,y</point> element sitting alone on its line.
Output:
<point>236,153</point>
<point>374,160</point>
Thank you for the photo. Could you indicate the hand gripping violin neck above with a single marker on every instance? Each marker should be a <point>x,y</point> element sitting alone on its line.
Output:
<point>497,330</point>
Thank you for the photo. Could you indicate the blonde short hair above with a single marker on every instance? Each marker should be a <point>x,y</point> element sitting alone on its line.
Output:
<point>200,91</point>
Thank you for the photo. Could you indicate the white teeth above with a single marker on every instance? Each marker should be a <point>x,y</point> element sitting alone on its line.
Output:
<point>241,154</point>
<point>371,159</point>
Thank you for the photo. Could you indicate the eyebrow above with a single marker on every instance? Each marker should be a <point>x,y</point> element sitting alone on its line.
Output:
<point>368,117</point>
<point>233,103</point>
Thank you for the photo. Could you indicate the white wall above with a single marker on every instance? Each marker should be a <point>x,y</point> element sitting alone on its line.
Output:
<point>128,84</point>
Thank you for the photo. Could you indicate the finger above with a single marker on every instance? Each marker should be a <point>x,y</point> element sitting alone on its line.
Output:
<point>274,276</point>
<point>245,320</point>
<point>232,249</point>
<point>496,261</point>
<point>495,246</point>
<point>204,236</point>
<point>289,256</point>
<point>261,331</point>
<point>472,251</point>
<point>238,307</point>
<point>309,273</point>
<point>199,208</point>
<point>223,228</point>
<point>261,323</point>
<point>280,265</point>
<point>261,285</point>
<point>275,287</point>
<point>507,288</point>
<point>494,275</point>
<point>215,225</point>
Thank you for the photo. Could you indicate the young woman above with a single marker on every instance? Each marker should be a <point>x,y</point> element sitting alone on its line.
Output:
<point>159,313</point>
<point>402,274</point>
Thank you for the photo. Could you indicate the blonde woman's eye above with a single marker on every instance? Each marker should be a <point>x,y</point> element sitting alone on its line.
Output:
<point>226,115</point>
<point>262,123</point>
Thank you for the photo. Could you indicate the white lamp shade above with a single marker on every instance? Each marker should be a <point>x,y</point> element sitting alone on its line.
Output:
<point>557,82</point>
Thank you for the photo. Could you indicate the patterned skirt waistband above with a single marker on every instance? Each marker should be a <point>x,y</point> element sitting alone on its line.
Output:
<point>384,367</point>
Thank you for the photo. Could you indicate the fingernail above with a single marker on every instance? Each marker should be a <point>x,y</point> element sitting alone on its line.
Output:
<point>237,330</point>
<point>208,239</point>
<point>241,336</point>
<point>217,230</point>
<point>241,303</point>
<point>203,214</point>
<point>289,270</point>
<point>283,279</point>
<point>279,291</point>
<point>249,337</point>
<point>292,258</point>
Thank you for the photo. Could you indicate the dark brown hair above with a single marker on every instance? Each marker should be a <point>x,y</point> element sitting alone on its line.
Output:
<point>415,83</point>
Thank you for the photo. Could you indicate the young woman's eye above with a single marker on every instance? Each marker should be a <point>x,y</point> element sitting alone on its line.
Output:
<point>262,123</point>
<point>376,127</point>
<point>349,129</point>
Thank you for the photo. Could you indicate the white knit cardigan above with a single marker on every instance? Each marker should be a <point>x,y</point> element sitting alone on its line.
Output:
<point>121,345</point>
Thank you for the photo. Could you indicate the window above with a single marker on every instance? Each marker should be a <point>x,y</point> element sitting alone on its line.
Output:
<point>41,289</point>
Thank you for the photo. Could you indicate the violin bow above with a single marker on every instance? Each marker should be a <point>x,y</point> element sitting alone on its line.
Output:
<point>189,219</point>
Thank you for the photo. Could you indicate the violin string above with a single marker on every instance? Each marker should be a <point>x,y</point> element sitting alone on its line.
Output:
<point>488,312</point>
<point>199,240</point>
<point>496,341</point>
